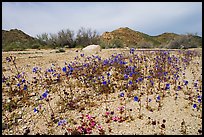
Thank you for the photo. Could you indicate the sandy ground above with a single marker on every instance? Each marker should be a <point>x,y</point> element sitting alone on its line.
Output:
<point>178,116</point>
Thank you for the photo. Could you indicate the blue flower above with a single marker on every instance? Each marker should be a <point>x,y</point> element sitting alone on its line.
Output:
<point>108,74</point>
<point>136,80</point>
<point>179,87</point>
<point>35,69</point>
<point>195,84</point>
<point>158,97</point>
<point>140,79</point>
<point>136,98</point>
<point>25,87</point>
<point>132,50</point>
<point>23,80</point>
<point>125,76</point>
<point>45,94</point>
<point>185,82</point>
<point>167,86</point>
<point>18,84</point>
<point>152,82</point>
<point>194,105</point>
<point>35,110</point>
<point>104,83</point>
<point>199,100</point>
<point>61,122</point>
<point>165,73</point>
<point>82,55</point>
<point>64,69</point>
<point>149,76</point>
<point>109,81</point>
<point>130,82</point>
<point>19,75</point>
<point>121,94</point>
<point>71,69</point>
<point>8,59</point>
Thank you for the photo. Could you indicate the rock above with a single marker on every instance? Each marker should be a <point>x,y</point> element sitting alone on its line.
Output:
<point>37,98</point>
<point>32,94</point>
<point>20,112</point>
<point>127,48</point>
<point>24,127</point>
<point>92,49</point>
<point>8,101</point>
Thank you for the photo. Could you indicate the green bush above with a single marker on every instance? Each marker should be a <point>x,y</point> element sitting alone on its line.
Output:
<point>115,43</point>
<point>14,46</point>
<point>183,42</point>
<point>145,45</point>
<point>36,46</point>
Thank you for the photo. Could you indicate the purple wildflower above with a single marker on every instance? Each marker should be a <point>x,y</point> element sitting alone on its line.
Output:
<point>136,98</point>
<point>121,94</point>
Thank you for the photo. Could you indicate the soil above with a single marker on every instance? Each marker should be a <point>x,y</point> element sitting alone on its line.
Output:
<point>175,117</point>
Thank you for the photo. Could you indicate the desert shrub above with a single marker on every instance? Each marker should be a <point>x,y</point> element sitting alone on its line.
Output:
<point>183,42</point>
<point>79,46</point>
<point>115,43</point>
<point>66,38</point>
<point>15,46</point>
<point>103,44</point>
<point>86,37</point>
<point>35,46</point>
<point>132,46</point>
<point>145,45</point>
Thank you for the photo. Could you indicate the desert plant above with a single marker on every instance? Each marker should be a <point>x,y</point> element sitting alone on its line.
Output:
<point>145,44</point>
<point>86,37</point>
<point>183,42</point>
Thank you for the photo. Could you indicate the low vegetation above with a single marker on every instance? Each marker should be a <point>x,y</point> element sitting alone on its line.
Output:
<point>17,40</point>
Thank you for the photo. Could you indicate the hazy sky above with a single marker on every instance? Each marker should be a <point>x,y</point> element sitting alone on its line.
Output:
<point>152,18</point>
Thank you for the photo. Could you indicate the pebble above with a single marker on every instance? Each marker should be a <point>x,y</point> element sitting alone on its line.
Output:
<point>36,98</point>
<point>20,112</point>
<point>32,94</point>
<point>8,101</point>
<point>24,127</point>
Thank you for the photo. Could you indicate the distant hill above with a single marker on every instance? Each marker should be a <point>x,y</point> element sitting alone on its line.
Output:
<point>18,40</point>
<point>128,37</point>
<point>15,39</point>
<point>131,38</point>
<point>165,37</point>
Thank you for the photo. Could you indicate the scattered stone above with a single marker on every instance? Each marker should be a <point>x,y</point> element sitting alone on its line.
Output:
<point>32,94</point>
<point>8,101</point>
<point>92,49</point>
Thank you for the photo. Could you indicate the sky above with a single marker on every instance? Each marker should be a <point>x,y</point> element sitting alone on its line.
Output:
<point>152,18</point>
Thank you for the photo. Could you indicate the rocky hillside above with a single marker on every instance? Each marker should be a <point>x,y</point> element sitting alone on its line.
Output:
<point>128,37</point>
<point>131,38</point>
<point>15,39</point>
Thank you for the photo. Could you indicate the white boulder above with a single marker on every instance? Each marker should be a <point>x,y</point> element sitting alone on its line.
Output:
<point>92,49</point>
